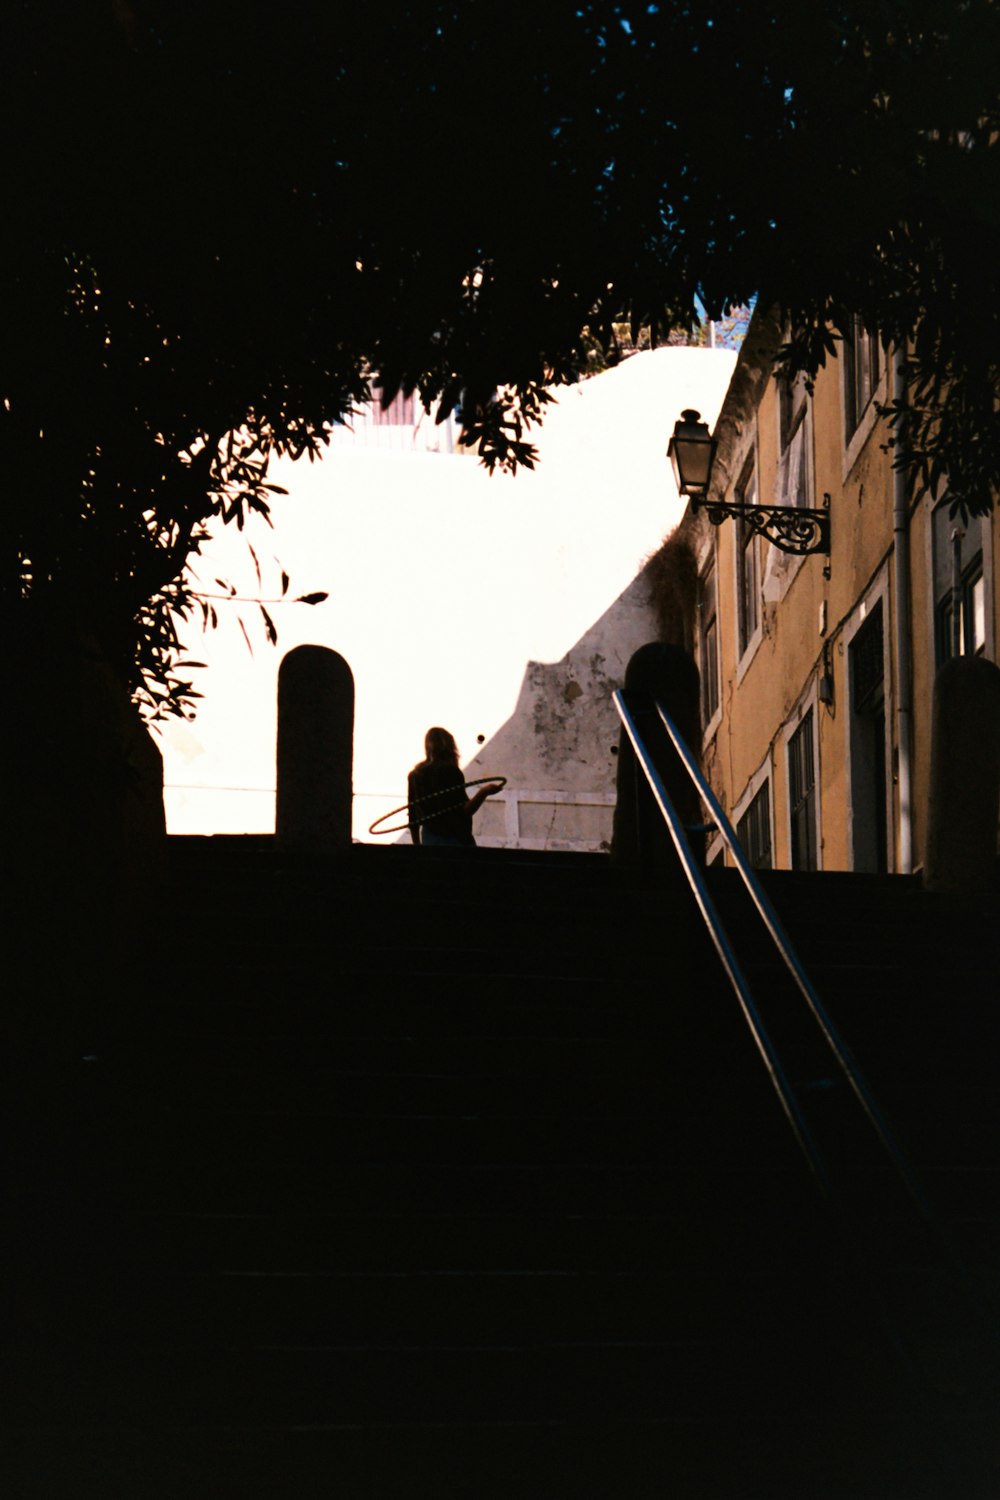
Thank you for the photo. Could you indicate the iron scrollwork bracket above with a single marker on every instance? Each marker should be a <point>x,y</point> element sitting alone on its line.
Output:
<point>790,528</point>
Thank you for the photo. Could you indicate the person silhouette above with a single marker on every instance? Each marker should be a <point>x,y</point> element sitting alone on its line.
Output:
<point>440,813</point>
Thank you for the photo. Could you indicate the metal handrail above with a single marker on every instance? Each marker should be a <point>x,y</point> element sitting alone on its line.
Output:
<point>842,1053</point>
<point>720,939</point>
<point>980,1323</point>
<point>696,879</point>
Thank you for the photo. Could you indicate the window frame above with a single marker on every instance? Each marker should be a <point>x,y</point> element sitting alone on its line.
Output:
<point>747,541</point>
<point>762,794</point>
<point>973,568</point>
<point>709,659</point>
<point>973,573</point>
<point>862,372</point>
<point>761,777</point>
<point>855,438</point>
<point>807,715</point>
<point>877,595</point>
<point>794,426</point>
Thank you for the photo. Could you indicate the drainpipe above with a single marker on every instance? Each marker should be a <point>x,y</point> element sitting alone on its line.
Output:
<point>904,660</point>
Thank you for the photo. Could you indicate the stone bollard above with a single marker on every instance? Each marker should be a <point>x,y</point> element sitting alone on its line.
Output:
<point>667,673</point>
<point>965,777</point>
<point>315,751</point>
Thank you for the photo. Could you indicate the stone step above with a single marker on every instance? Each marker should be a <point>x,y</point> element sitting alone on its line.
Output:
<point>379,1004</point>
<point>535,1458</point>
<point>243,1042</point>
<point>469,1308</point>
<point>505,1239</point>
<point>327,1090</point>
<point>399,1384</point>
<point>443,1242</point>
<point>237,1185</point>
<point>478,1171</point>
<point>444,1167</point>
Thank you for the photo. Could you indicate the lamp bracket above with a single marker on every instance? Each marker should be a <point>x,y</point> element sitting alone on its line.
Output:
<point>790,528</point>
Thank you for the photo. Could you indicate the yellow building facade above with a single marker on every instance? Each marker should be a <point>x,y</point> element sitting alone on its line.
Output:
<point>817,670</point>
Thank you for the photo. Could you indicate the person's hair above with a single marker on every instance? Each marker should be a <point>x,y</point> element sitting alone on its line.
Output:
<point>440,745</point>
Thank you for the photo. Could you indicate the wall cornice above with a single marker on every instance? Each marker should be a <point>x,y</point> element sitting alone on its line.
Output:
<point>753,370</point>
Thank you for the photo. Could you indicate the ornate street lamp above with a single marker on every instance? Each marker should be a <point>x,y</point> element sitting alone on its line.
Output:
<point>790,528</point>
<point>691,451</point>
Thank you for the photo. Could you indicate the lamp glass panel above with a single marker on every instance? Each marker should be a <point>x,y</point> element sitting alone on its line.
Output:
<point>692,462</point>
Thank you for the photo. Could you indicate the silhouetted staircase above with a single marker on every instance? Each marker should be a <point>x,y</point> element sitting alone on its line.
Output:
<point>425,1174</point>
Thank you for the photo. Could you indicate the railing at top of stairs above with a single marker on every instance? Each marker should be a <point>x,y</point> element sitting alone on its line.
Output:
<point>737,978</point>
<point>980,1314</point>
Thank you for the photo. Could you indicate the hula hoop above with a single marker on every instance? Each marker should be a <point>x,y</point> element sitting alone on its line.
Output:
<point>406,807</point>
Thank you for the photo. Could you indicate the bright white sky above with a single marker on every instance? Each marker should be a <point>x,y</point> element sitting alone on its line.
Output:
<point>443,583</point>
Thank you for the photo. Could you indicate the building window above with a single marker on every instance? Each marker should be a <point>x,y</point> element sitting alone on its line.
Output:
<point>754,829</point>
<point>794,482</point>
<point>958,579</point>
<point>802,795</point>
<point>747,564</point>
<point>861,373</point>
<point>971,619</point>
<point>869,806</point>
<point>708,643</point>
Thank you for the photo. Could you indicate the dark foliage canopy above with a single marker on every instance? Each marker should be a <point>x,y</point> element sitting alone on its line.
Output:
<point>222,220</point>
